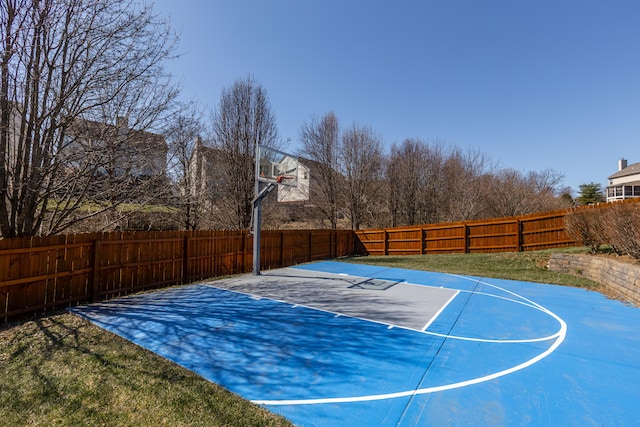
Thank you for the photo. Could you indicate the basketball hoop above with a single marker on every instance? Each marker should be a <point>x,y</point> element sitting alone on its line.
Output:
<point>273,168</point>
<point>281,178</point>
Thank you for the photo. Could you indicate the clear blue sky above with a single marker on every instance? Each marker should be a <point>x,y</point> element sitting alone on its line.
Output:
<point>533,84</point>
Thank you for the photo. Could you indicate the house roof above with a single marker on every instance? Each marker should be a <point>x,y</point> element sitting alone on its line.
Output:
<point>629,170</point>
<point>626,184</point>
<point>97,130</point>
<point>213,154</point>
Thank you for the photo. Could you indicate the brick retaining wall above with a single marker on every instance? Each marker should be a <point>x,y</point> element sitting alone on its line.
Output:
<point>620,277</point>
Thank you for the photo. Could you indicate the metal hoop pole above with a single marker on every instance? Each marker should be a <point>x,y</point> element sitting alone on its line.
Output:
<point>257,213</point>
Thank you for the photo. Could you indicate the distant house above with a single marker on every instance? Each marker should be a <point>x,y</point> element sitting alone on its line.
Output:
<point>205,169</point>
<point>118,150</point>
<point>89,149</point>
<point>301,193</point>
<point>625,183</point>
<point>202,168</point>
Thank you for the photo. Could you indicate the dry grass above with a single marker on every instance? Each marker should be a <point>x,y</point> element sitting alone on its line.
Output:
<point>62,370</point>
<point>525,266</point>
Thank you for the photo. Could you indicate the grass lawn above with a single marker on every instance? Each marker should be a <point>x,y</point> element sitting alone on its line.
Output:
<point>525,266</point>
<point>62,370</point>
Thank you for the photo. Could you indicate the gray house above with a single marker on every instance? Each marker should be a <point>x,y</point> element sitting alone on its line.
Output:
<point>116,149</point>
<point>625,183</point>
<point>204,167</point>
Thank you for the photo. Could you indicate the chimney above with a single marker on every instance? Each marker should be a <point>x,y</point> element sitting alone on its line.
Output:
<point>122,122</point>
<point>622,164</point>
<point>122,125</point>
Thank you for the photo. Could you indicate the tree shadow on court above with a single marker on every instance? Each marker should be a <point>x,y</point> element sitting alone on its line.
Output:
<point>264,349</point>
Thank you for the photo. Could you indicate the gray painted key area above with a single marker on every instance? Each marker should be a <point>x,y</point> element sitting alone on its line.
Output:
<point>382,300</point>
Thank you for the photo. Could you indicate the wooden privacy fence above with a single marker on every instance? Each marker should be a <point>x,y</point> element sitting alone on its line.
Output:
<point>523,233</point>
<point>40,274</point>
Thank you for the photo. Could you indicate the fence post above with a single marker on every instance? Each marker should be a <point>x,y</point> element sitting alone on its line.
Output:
<point>95,286</point>
<point>332,245</point>
<point>245,245</point>
<point>310,247</point>
<point>520,236</point>
<point>240,250</point>
<point>185,261</point>
<point>385,248</point>
<point>467,242</point>
<point>282,260</point>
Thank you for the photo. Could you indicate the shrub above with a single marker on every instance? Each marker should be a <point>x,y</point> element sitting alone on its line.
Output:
<point>623,228</point>
<point>609,220</point>
<point>585,226</point>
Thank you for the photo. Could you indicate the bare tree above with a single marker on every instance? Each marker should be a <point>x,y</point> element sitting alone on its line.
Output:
<point>463,193</point>
<point>404,173</point>
<point>243,119</point>
<point>414,176</point>
<point>429,183</point>
<point>512,193</point>
<point>362,162</point>
<point>65,65</point>
<point>321,144</point>
<point>185,143</point>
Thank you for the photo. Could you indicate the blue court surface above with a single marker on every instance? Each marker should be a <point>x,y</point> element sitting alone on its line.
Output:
<point>338,344</point>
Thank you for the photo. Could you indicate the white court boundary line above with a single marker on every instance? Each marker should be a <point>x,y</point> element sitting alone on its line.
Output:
<point>435,316</point>
<point>558,336</point>
<point>322,310</point>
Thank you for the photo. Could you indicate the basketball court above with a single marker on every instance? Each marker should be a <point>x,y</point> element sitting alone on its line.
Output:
<point>339,344</point>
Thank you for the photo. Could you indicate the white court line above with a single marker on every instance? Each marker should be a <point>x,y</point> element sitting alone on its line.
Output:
<point>559,336</point>
<point>526,303</point>
<point>435,316</point>
<point>335,313</point>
